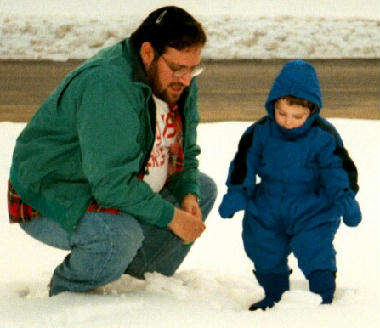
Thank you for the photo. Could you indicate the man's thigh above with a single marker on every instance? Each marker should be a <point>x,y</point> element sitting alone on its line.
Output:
<point>47,231</point>
<point>91,227</point>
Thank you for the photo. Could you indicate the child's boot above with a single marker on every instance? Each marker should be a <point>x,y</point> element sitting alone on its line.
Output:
<point>274,286</point>
<point>322,282</point>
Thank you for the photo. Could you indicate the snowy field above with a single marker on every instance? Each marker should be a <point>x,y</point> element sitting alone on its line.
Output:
<point>214,286</point>
<point>72,29</point>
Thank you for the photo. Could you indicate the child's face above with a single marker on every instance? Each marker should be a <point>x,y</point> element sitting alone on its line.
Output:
<point>290,116</point>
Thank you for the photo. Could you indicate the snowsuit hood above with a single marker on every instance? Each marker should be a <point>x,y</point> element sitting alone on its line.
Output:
<point>299,79</point>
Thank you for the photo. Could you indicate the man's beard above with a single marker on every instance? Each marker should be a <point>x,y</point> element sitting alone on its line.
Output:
<point>158,90</point>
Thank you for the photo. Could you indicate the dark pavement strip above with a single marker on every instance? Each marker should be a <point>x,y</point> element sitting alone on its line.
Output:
<point>229,90</point>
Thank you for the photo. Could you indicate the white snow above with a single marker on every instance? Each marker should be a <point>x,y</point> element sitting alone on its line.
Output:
<point>71,29</point>
<point>214,286</point>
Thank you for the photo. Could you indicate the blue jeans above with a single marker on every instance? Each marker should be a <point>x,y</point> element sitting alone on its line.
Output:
<point>105,245</point>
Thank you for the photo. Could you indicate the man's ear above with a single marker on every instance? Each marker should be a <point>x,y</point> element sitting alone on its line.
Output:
<point>147,54</point>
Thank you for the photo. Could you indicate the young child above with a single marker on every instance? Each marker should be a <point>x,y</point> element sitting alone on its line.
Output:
<point>307,182</point>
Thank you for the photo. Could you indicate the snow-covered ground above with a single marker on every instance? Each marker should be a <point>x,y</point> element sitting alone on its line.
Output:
<point>214,286</point>
<point>72,29</point>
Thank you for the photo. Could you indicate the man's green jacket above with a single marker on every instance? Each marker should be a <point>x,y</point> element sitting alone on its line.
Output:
<point>92,137</point>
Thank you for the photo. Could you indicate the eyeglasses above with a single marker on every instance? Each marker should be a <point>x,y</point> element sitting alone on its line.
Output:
<point>179,70</point>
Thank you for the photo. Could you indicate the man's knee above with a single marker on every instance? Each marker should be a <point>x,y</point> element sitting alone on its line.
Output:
<point>208,186</point>
<point>101,248</point>
<point>112,239</point>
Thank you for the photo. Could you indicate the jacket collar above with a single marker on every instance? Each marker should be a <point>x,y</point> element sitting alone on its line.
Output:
<point>132,56</point>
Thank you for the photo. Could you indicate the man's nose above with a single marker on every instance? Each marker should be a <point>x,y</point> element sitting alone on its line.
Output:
<point>185,79</point>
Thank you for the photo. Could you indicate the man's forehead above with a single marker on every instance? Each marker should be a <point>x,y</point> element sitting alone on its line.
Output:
<point>189,54</point>
<point>188,51</point>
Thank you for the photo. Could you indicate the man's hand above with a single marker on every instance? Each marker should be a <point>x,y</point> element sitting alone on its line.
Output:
<point>190,205</point>
<point>186,226</point>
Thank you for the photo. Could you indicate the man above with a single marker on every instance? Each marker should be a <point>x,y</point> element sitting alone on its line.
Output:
<point>107,166</point>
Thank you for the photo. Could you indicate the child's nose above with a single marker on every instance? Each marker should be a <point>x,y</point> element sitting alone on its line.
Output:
<point>288,122</point>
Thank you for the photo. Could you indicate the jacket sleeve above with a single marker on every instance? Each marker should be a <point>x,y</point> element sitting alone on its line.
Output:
<point>110,131</point>
<point>186,181</point>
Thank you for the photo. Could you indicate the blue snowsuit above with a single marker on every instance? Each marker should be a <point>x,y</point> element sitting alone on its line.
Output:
<point>307,182</point>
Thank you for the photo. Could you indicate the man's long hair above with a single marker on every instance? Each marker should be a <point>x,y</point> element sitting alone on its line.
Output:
<point>169,27</point>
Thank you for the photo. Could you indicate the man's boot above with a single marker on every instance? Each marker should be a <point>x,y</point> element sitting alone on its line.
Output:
<point>274,286</point>
<point>322,282</point>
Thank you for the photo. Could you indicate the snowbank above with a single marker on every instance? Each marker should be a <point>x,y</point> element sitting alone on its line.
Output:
<point>230,37</point>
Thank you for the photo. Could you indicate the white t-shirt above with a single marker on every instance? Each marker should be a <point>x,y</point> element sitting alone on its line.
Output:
<point>156,171</point>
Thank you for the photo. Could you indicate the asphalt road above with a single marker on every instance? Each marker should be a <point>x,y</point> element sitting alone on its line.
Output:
<point>228,90</point>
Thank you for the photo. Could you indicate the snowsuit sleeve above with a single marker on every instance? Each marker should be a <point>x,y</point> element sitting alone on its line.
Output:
<point>243,168</point>
<point>338,172</point>
<point>241,180</point>
<point>339,177</point>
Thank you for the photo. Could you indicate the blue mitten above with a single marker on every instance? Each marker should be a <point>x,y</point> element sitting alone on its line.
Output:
<point>349,209</point>
<point>233,201</point>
